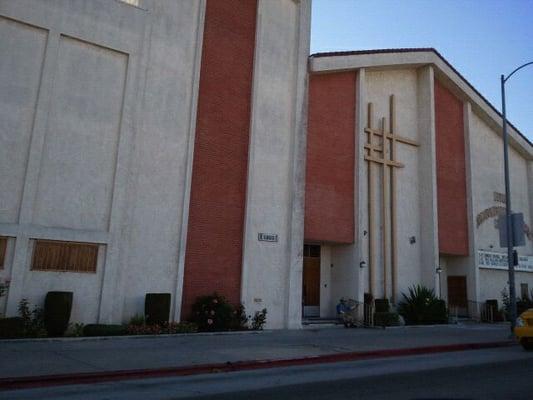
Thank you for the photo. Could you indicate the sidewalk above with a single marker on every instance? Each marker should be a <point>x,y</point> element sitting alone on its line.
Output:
<point>40,358</point>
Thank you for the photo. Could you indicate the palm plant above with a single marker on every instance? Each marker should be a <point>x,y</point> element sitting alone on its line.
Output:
<point>421,306</point>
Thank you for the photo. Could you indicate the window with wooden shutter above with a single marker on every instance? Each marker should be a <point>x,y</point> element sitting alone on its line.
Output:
<point>52,255</point>
<point>3,247</point>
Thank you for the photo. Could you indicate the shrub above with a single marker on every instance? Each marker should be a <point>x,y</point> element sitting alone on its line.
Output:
<point>137,320</point>
<point>4,286</point>
<point>57,307</point>
<point>33,320</point>
<point>239,319</point>
<point>103,330</point>
<point>386,319</point>
<point>156,308</point>
<point>166,328</point>
<point>382,305</point>
<point>75,329</point>
<point>421,306</point>
<point>11,328</point>
<point>213,313</point>
<point>521,304</point>
<point>259,320</point>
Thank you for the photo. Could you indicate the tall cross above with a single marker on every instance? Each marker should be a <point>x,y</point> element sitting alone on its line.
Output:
<point>383,153</point>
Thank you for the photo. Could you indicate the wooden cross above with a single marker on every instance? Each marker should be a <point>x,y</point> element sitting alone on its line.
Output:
<point>387,148</point>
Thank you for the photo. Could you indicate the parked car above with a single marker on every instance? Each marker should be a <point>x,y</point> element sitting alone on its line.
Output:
<point>524,329</point>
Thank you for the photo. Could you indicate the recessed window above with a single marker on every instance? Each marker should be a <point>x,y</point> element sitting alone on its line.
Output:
<point>3,247</point>
<point>53,255</point>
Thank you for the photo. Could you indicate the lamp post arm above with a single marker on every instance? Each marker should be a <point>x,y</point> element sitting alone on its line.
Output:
<point>505,79</point>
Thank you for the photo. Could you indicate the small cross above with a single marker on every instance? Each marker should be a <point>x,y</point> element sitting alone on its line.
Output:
<point>387,138</point>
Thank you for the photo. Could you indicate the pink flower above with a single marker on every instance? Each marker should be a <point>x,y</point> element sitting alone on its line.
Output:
<point>215,301</point>
<point>212,312</point>
<point>209,321</point>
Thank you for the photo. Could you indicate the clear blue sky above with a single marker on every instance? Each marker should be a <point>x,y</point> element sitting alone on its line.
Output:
<point>482,39</point>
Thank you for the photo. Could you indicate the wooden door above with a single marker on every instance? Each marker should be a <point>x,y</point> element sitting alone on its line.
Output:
<point>311,281</point>
<point>457,294</point>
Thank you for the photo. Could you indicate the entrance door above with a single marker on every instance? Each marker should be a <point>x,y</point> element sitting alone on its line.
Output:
<point>457,295</point>
<point>311,281</point>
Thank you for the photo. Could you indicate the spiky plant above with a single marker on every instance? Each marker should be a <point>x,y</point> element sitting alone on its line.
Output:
<point>420,306</point>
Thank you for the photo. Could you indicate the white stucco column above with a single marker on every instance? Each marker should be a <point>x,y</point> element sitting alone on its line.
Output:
<point>193,106</point>
<point>427,177</point>
<point>361,188</point>
<point>471,264</point>
<point>272,271</point>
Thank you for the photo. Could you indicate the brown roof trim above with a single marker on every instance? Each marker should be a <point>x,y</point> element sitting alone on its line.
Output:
<point>419,50</point>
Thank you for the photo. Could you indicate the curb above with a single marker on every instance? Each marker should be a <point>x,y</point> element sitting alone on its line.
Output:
<point>128,337</point>
<point>108,376</point>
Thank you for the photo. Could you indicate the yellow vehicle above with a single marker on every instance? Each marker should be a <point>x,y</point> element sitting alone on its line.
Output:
<point>524,329</point>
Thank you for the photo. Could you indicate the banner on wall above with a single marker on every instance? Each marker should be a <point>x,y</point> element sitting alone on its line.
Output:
<point>495,260</point>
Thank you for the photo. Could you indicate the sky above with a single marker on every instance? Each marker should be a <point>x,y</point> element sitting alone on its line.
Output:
<point>482,39</point>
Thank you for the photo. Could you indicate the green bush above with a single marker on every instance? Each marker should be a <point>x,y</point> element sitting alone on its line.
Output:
<point>382,305</point>
<point>166,328</point>
<point>137,320</point>
<point>386,319</point>
<point>259,320</point>
<point>33,320</point>
<point>213,313</point>
<point>156,308</point>
<point>57,307</point>
<point>75,329</point>
<point>422,307</point>
<point>521,304</point>
<point>11,328</point>
<point>239,319</point>
<point>104,330</point>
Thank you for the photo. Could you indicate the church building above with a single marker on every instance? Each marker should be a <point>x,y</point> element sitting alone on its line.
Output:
<point>195,147</point>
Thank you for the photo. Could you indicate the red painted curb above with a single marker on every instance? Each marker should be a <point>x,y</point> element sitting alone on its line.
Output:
<point>106,376</point>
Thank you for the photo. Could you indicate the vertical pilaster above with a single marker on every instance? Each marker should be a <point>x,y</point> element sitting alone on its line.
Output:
<point>427,176</point>
<point>473,258</point>
<point>362,223</point>
<point>193,106</point>
<point>297,211</point>
<point>22,243</point>
<point>272,271</point>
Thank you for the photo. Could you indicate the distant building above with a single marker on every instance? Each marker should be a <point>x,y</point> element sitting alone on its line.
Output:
<point>405,173</point>
<point>191,147</point>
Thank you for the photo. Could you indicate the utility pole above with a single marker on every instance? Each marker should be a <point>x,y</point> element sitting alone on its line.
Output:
<point>510,244</point>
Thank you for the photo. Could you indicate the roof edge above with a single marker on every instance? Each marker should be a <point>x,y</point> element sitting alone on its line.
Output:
<point>422,50</point>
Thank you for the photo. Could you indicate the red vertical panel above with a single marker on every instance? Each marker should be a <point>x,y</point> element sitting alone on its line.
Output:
<point>451,172</point>
<point>329,193</point>
<point>218,188</point>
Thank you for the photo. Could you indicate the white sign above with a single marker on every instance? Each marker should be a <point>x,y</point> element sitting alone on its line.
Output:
<point>267,237</point>
<point>494,260</point>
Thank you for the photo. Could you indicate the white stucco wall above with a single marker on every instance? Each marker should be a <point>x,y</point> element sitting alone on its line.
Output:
<point>487,161</point>
<point>403,84</point>
<point>487,158</point>
<point>492,282</point>
<point>97,112</point>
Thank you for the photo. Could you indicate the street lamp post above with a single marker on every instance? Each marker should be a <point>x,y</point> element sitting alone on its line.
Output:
<point>510,258</point>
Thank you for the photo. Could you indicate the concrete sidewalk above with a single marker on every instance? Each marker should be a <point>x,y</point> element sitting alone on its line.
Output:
<point>35,358</point>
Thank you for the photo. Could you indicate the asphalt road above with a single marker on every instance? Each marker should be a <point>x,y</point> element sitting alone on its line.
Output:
<point>504,380</point>
<point>504,373</point>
